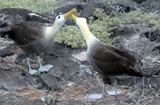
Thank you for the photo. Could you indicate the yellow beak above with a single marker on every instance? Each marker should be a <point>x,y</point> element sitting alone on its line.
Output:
<point>68,14</point>
<point>74,17</point>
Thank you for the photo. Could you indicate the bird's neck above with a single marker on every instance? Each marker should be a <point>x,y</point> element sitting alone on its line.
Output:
<point>52,31</point>
<point>89,37</point>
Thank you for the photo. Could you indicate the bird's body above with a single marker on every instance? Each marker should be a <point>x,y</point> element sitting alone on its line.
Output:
<point>35,39</point>
<point>105,59</point>
<point>30,38</point>
<point>111,61</point>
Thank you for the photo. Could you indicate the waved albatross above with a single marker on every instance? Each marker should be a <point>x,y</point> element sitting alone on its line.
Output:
<point>35,39</point>
<point>107,60</point>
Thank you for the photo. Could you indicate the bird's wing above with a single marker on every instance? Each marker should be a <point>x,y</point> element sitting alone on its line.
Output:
<point>24,33</point>
<point>113,61</point>
<point>110,54</point>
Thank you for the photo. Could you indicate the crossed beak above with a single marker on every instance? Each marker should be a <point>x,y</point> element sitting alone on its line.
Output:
<point>68,14</point>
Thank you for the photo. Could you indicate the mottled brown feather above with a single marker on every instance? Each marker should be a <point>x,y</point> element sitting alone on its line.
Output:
<point>24,33</point>
<point>111,61</point>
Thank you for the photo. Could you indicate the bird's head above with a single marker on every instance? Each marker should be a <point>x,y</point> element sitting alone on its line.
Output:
<point>60,19</point>
<point>51,32</point>
<point>82,24</point>
<point>80,21</point>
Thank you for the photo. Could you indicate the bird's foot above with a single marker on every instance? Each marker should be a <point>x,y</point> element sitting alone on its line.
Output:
<point>95,96</point>
<point>114,92</point>
<point>32,71</point>
<point>45,68</point>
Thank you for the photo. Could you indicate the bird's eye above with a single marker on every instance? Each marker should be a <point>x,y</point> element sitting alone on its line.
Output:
<point>58,17</point>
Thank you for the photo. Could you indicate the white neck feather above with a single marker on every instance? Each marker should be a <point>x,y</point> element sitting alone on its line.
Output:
<point>51,32</point>
<point>89,37</point>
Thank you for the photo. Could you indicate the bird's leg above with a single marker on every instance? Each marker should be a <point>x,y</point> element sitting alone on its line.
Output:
<point>45,67</point>
<point>114,92</point>
<point>103,91</point>
<point>31,71</point>
<point>115,87</point>
<point>40,64</point>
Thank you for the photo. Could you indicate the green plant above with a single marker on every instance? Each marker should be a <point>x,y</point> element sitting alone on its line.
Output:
<point>71,37</point>
<point>147,19</point>
<point>101,28</point>
<point>37,6</point>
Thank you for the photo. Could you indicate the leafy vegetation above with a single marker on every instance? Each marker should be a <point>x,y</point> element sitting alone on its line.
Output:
<point>37,6</point>
<point>102,27</point>
<point>144,19</point>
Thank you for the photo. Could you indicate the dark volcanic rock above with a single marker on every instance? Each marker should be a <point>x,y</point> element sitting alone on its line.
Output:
<point>16,14</point>
<point>19,15</point>
<point>139,1</point>
<point>14,77</point>
<point>39,18</point>
<point>66,69</point>
<point>7,51</point>
<point>48,80</point>
<point>64,9</point>
<point>2,23</point>
<point>152,35</point>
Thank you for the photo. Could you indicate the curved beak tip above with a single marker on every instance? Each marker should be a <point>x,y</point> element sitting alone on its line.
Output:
<point>74,10</point>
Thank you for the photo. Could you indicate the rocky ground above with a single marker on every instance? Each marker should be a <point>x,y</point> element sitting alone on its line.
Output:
<point>72,79</point>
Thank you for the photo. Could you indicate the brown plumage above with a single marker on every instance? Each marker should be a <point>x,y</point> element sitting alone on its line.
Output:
<point>29,37</point>
<point>111,61</point>
<point>35,39</point>
<point>107,60</point>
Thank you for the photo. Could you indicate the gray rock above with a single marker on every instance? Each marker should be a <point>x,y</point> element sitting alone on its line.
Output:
<point>14,77</point>
<point>19,15</point>
<point>12,99</point>
<point>7,51</point>
<point>16,14</point>
<point>66,69</point>
<point>48,80</point>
